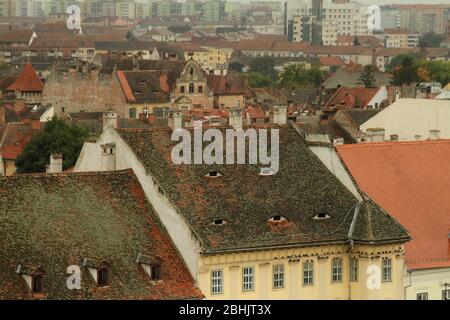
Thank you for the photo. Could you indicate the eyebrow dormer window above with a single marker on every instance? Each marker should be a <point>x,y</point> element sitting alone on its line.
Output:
<point>220,222</point>
<point>277,218</point>
<point>322,215</point>
<point>266,172</point>
<point>33,276</point>
<point>213,174</point>
<point>155,272</point>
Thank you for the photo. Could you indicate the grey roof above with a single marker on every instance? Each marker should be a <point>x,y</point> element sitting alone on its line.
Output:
<point>350,78</point>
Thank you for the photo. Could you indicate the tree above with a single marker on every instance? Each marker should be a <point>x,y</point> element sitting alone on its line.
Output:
<point>406,71</point>
<point>265,66</point>
<point>367,77</point>
<point>236,66</point>
<point>259,80</point>
<point>431,40</point>
<point>356,41</point>
<point>296,76</point>
<point>57,137</point>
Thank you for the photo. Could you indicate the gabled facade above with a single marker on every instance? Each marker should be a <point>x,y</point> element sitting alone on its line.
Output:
<point>250,236</point>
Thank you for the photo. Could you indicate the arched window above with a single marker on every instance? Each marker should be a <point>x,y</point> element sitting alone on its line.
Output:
<point>191,88</point>
<point>191,71</point>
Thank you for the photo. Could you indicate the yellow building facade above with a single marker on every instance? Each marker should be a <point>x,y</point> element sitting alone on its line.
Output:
<point>307,273</point>
<point>210,58</point>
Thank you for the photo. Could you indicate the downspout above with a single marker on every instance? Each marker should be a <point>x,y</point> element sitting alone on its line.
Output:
<point>409,285</point>
<point>351,243</point>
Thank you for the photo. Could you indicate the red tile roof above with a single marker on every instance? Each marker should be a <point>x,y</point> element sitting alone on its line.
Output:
<point>125,86</point>
<point>27,81</point>
<point>410,180</point>
<point>331,61</point>
<point>352,97</point>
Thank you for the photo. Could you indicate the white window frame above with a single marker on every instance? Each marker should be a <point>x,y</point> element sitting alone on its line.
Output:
<point>248,279</point>
<point>386,264</point>
<point>308,273</point>
<point>336,270</point>
<point>278,276</point>
<point>216,281</point>
<point>422,295</point>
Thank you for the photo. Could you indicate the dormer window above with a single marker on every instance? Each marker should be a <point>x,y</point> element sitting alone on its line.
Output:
<point>151,265</point>
<point>33,276</point>
<point>277,218</point>
<point>266,171</point>
<point>213,174</point>
<point>99,270</point>
<point>322,216</point>
<point>220,222</point>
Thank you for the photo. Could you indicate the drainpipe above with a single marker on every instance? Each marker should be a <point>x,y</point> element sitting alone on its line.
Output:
<point>351,243</point>
<point>409,285</point>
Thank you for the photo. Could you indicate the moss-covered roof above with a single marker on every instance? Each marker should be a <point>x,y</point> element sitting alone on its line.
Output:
<point>302,188</point>
<point>57,220</point>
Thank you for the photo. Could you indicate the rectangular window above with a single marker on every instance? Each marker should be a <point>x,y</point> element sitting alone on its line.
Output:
<point>217,281</point>
<point>278,276</point>
<point>200,89</point>
<point>336,270</point>
<point>308,273</point>
<point>248,279</point>
<point>354,269</point>
<point>182,89</point>
<point>422,296</point>
<point>387,270</point>
<point>37,284</point>
<point>155,272</point>
<point>102,277</point>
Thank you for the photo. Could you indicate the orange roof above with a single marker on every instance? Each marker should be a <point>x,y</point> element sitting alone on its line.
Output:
<point>410,180</point>
<point>349,97</point>
<point>27,81</point>
<point>331,61</point>
<point>125,86</point>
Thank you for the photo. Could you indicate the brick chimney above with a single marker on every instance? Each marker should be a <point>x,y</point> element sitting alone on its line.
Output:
<point>56,163</point>
<point>235,118</point>
<point>176,120</point>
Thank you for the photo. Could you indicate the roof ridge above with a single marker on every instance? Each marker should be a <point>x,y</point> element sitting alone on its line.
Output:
<point>392,144</point>
<point>63,174</point>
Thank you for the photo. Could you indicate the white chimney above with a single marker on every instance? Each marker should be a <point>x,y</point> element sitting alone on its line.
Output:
<point>109,119</point>
<point>434,134</point>
<point>176,120</point>
<point>375,134</point>
<point>279,115</point>
<point>56,163</point>
<point>235,118</point>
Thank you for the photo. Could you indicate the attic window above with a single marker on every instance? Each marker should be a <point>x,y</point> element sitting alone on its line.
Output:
<point>220,222</point>
<point>322,216</point>
<point>266,172</point>
<point>37,283</point>
<point>103,277</point>
<point>191,71</point>
<point>213,174</point>
<point>136,93</point>
<point>143,82</point>
<point>151,265</point>
<point>99,270</point>
<point>277,218</point>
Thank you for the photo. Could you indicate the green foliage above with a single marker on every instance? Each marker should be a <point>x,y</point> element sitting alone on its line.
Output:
<point>57,137</point>
<point>259,80</point>
<point>236,66</point>
<point>406,68</point>
<point>356,42</point>
<point>296,76</point>
<point>431,40</point>
<point>265,66</point>
<point>367,77</point>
